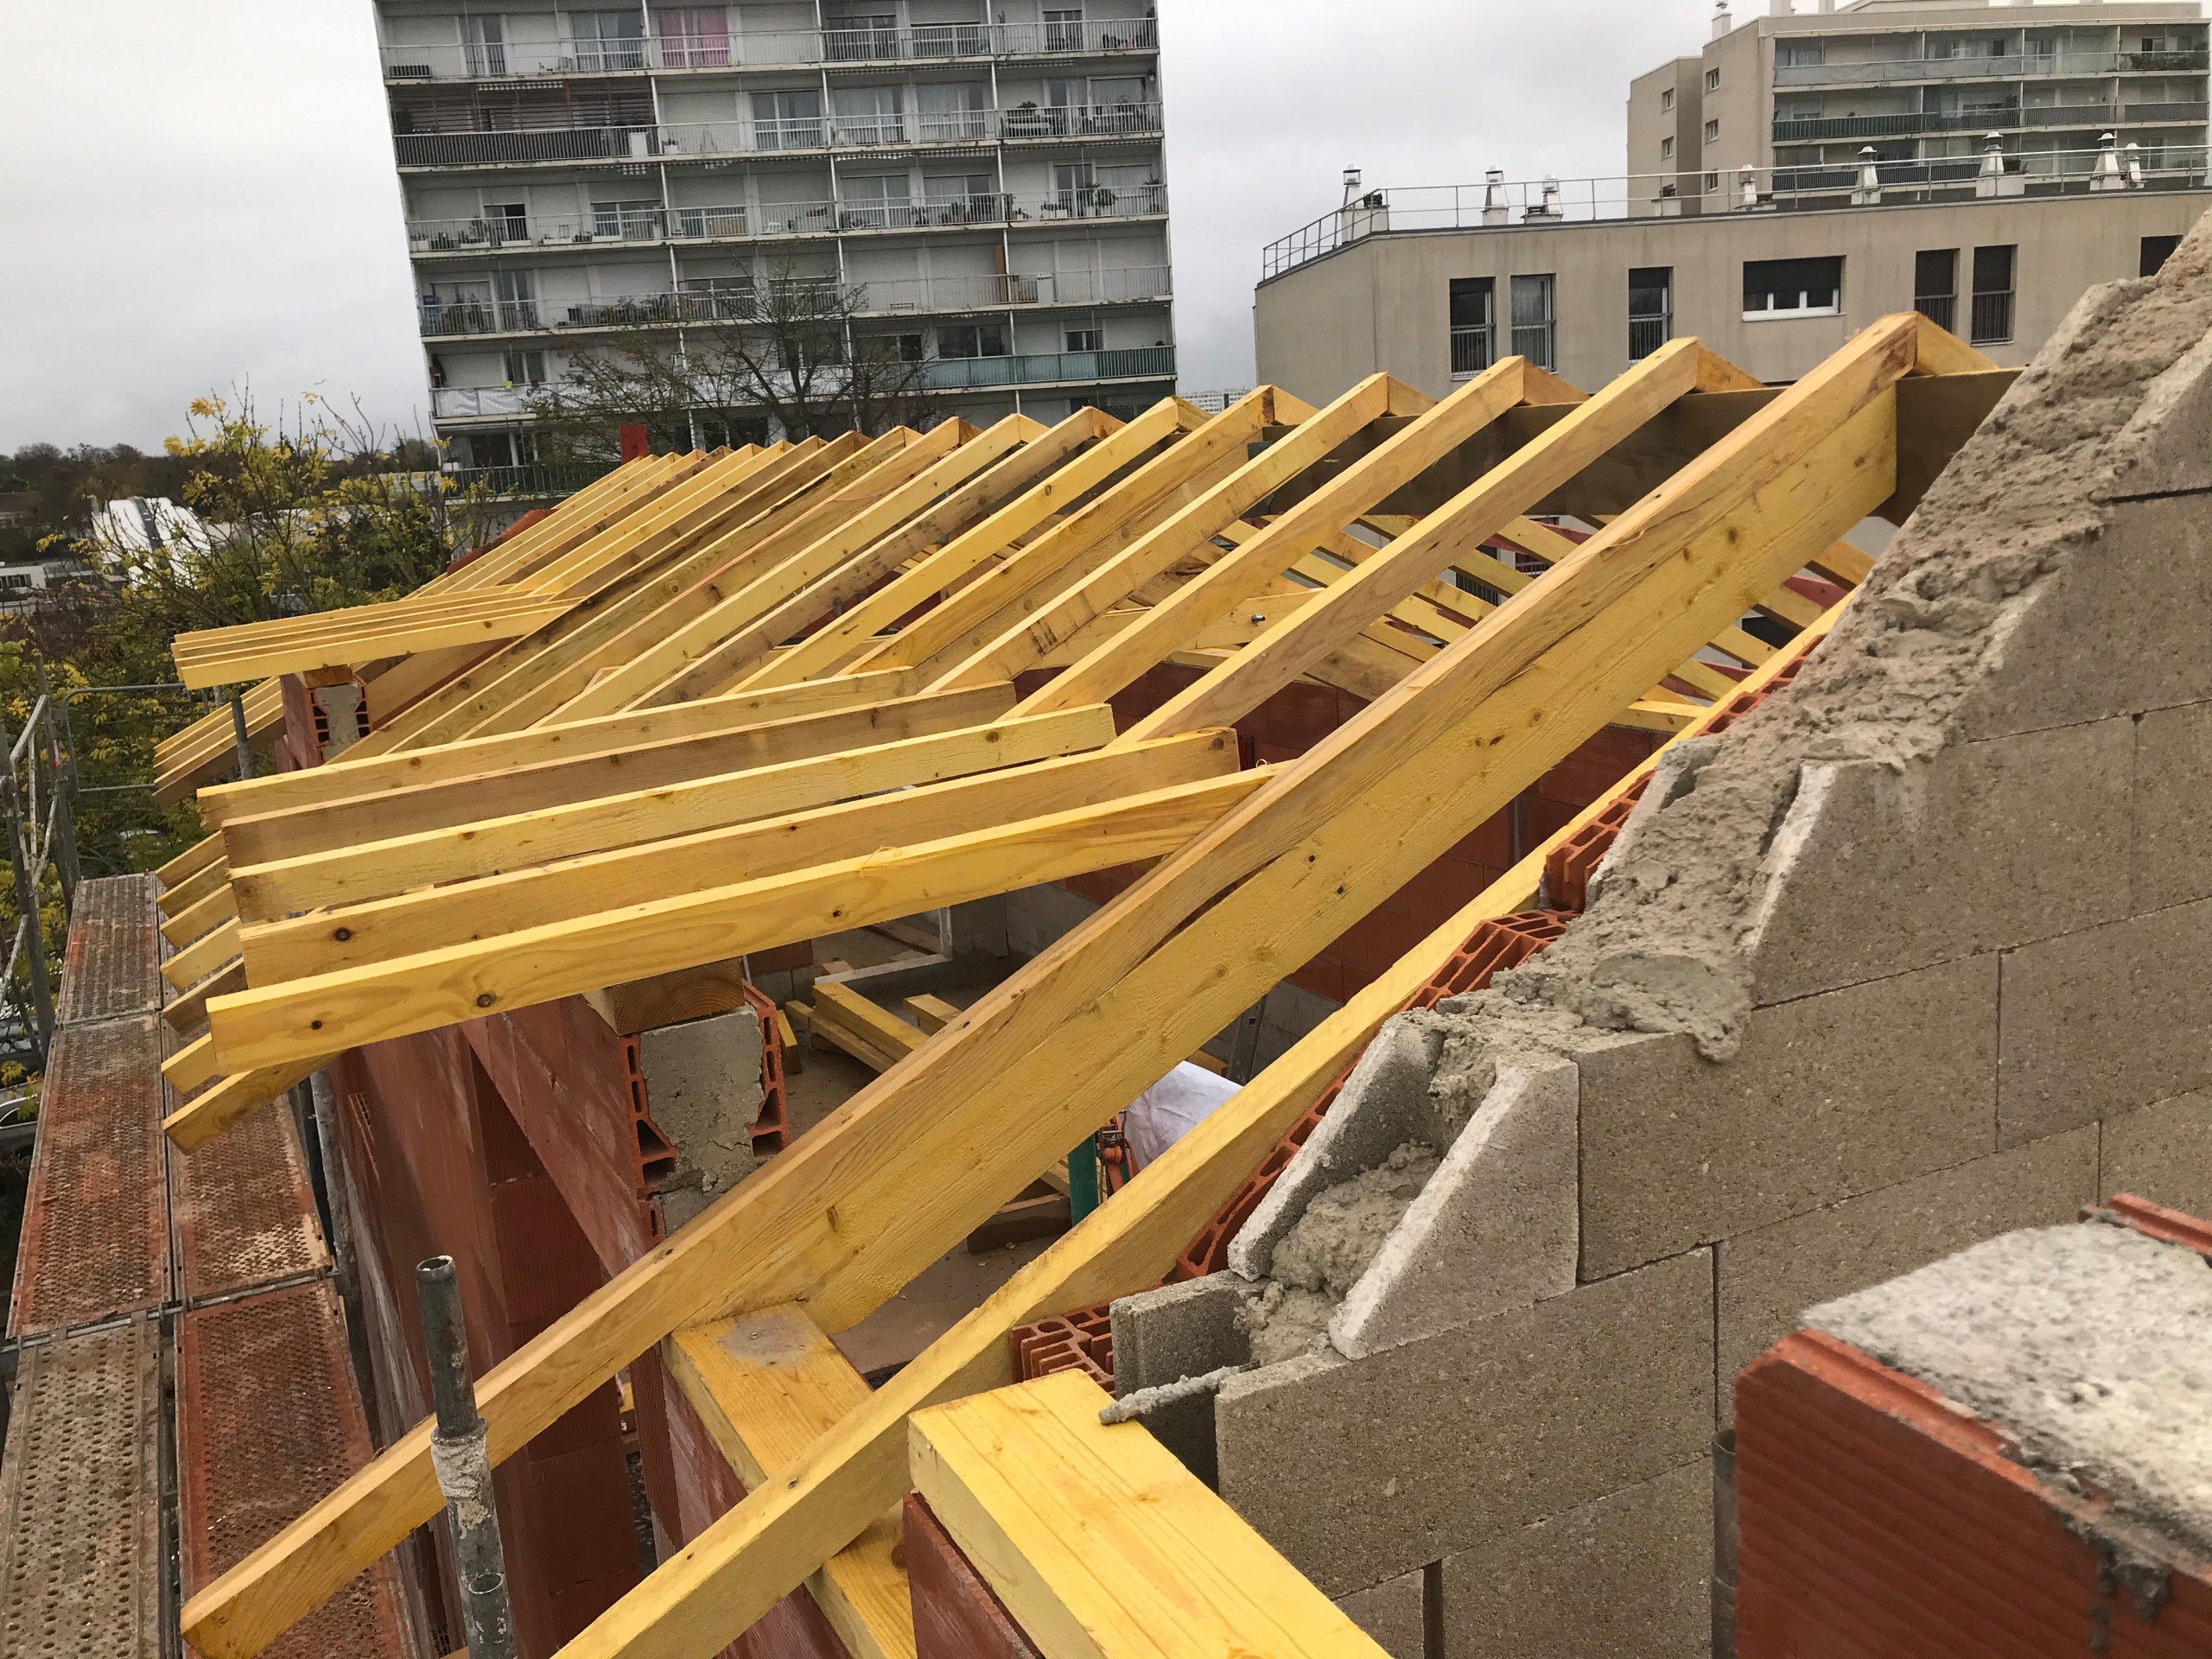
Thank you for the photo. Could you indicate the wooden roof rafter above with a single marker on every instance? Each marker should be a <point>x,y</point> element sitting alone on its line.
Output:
<point>1274,865</point>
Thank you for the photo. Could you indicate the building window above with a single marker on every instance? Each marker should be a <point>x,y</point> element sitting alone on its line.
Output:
<point>2156,249</point>
<point>1793,54</point>
<point>1792,287</point>
<point>1992,296</point>
<point>1666,148</point>
<point>525,368</point>
<point>1081,339</point>
<point>1713,132</point>
<point>1534,331</point>
<point>1474,316</point>
<point>1713,80</point>
<point>891,348</point>
<point>1064,30</point>
<point>1713,180</point>
<point>1936,286</point>
<point>1667,98</point>
<point>972,340</point>
<point>1651,310</point>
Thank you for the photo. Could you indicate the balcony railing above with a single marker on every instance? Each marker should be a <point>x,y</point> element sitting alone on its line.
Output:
<point>771,49</point>
<point>1131,285</point>
<point>535,482</point>
<point>2010,117</point>
<point>1992,320</point>
<point>715,138</point>
<point>959,373</point>
<point>462,403</point>
<point>734,302</point>
<point>2030,66</point>
<point>991,291</point>
<point>1093,201</point>
<point>1942,309</point>
<point>492,233</point>
<point>1473,350</point>
<point>1530,204</point>
<point>926,214</point>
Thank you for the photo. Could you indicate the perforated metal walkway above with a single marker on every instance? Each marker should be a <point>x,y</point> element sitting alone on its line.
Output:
<point>154,1289</point>
<point>81,1556</point>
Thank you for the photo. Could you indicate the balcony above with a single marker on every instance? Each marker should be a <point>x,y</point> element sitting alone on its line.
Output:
<point>539,480</point>
<point>809,48</point>
<point>470,402</point>
<point>2026,66</point>
<point>985,291</point>
<point>737,222</point>
<point>1038,368</point>
<point>712,139</point>
<point>1094,202</point>
<point>445,319</point>
<point>2009,119</point>
<point>767,221</point>
<point>989,291</point>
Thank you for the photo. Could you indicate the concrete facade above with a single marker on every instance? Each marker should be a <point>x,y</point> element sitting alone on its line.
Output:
<point>1914,958</point>
<point>1923,82</point>
<point>1383,302</point>
<point>987,185</point>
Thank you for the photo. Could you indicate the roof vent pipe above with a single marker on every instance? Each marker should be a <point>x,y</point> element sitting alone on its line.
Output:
<point>1496,207</point>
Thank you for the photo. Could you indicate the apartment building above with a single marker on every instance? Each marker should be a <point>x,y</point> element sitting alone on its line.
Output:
<point>1804,103</point>
<point>1883,157</point>
<point>984,184</point>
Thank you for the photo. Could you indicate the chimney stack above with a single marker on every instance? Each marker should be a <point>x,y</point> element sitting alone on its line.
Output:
<point>1723,21</point>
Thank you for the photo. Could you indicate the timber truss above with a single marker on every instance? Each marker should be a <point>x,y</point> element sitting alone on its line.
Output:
<point>717,703</point>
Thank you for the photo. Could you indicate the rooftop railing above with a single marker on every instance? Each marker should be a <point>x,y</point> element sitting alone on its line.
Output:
<point>909,129</point>
<point>2018,66</point>
<point>1500,204</point>
<point>770,49</point>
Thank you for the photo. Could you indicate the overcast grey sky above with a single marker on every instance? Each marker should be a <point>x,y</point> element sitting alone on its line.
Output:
<point>207,197</point>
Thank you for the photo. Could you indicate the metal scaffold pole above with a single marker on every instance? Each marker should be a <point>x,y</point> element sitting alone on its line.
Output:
<point>464,1466</point>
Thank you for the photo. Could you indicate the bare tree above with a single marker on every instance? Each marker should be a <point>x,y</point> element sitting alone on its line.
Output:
<point>745,358</point>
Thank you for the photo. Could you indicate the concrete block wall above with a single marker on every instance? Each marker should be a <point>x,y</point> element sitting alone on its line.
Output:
<point>1915,956</point>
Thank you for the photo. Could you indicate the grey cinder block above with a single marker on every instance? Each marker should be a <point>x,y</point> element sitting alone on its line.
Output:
<point>2163,1153</point>
<point>1391,1612</point>
<point>2119,628</point>
<point>1830,1095</point>
<point>1494,1229</point>
<point>1875,872</point>
<point>2104,1021</point>
<point>703,1087</point>
<point>1175,1332</point>
<point>1624,1576</point>
<point>1769,1276</point>
<point>1361,1469</point>
<point>2172,855</point>
<point>1384,1104</point>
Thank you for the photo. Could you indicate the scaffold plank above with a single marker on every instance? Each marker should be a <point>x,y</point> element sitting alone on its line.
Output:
<point>268,1415</point>
<point>110,967</point>
<point>243,1209</point>
<point>96,1239</point>
<point>80,1499</point>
